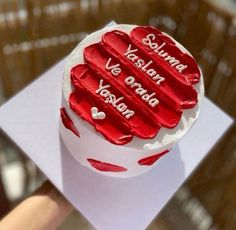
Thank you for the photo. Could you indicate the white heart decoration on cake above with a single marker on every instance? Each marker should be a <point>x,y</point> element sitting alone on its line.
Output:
<point>97,115</point>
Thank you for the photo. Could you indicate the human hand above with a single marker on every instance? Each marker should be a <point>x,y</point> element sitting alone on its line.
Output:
<point>44,209</point>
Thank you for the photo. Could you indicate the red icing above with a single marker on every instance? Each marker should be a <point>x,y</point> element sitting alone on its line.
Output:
<point>154,94</point>
<point>189,75</point>
<point>152,159</point>
<point>140,125</point>
<point>106,167</point>
<point>183,95</point>
<point>68,123</point>
<point>81,102</point>
<point>163,113</point>
<point>114,127</point>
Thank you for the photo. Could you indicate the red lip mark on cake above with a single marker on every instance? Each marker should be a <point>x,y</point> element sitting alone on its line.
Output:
<point>68,123</point>
<point>152,159</point>
<point>140,82</point>
<point>106,167</point>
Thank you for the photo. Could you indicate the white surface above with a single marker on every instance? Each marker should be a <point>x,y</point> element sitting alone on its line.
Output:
<point>31,119</point>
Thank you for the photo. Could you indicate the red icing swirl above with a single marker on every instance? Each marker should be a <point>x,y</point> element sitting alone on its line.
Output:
<point>134,91</point>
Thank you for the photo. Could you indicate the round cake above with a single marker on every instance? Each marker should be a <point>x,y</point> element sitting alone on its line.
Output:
<point>129,94</point>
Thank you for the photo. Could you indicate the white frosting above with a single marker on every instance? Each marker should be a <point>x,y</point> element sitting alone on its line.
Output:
<point>92,144</point>
<point>97,115</point>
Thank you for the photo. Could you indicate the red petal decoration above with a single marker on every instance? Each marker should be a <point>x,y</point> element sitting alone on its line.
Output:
<point>152,159</point>
<point>68,123</point>
<point>106,167</point>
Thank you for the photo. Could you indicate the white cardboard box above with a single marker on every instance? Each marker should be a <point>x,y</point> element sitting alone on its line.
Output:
<point>31,120</point>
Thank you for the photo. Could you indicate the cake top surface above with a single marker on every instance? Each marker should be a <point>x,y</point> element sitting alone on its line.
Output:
<point>132,81</point>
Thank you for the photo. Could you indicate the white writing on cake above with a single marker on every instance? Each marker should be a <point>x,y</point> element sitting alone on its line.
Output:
<point>115,69</point>
<point>113,100</point>
<point>149,98</point>
<point>97,115</point>
<point>131,81</point>
<point>158,49</point>
<point>140,63</point>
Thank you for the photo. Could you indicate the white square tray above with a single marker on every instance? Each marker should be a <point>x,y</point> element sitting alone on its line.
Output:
<point>31,119</point>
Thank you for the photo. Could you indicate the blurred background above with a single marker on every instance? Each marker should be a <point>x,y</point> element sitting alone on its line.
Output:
<point>35,34</point>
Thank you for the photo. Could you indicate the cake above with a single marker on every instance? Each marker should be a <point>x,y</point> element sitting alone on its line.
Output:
<point>129,94</point>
